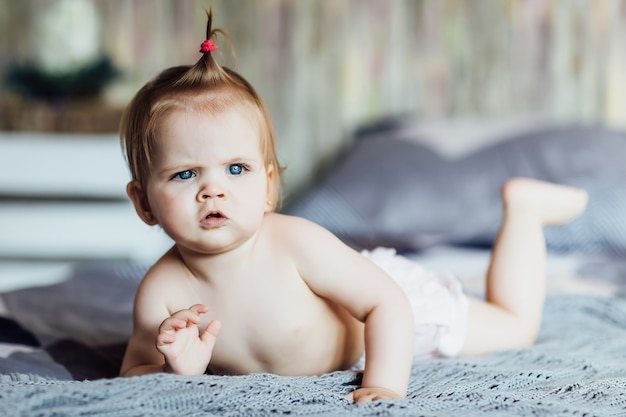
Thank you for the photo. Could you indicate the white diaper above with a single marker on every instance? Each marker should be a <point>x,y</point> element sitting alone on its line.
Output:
<point>438,303</point>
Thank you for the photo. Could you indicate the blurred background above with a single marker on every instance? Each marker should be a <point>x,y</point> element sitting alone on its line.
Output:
<point>323,67</point>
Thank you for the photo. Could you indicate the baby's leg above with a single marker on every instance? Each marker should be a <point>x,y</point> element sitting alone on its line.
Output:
<point>511,316</point>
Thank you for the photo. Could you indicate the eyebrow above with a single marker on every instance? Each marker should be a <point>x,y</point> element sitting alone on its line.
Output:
<point>192,165</point>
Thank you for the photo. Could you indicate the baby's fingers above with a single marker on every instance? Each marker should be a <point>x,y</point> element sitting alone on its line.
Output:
<point>172,323</point>
<point>364,395</point>
<point>209,335</point>
<point>165,339</point>
<point>190,315</point>
<point>199,308</point>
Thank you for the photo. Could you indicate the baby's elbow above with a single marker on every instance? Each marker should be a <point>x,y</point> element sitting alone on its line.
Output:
<point>401,300</point>
<point>401,306</point>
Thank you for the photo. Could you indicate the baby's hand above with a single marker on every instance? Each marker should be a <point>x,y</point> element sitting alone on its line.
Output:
<point>365,395</point>
<point>186,351</point>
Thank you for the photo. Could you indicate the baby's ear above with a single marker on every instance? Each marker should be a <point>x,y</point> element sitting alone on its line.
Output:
<point>140,201</point>
<point>271,189</point>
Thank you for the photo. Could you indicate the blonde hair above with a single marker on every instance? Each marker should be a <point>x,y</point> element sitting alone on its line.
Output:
<point>205,86</point>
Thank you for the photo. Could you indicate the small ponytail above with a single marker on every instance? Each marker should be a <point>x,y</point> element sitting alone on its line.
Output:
<point>208,45</point>
<point>206,71</point>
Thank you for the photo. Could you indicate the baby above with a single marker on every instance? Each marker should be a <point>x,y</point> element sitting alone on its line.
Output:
<point>245,289</point>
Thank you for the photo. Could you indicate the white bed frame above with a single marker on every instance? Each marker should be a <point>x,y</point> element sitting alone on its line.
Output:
<point>63,199</point>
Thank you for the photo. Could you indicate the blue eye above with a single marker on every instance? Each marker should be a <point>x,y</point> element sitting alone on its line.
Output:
<point>236,169</point>
<point>185,175</point>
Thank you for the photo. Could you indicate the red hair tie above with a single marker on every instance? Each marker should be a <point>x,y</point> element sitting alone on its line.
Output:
<point>208,46</point>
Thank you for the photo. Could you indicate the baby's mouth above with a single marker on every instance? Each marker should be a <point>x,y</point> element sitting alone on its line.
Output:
<point>214,219</point>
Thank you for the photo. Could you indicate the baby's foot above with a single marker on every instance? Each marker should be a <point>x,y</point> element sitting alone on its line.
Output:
<point>554,203</point>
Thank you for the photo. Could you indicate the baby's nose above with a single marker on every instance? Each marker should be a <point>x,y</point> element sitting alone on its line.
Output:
<point>211,190</point>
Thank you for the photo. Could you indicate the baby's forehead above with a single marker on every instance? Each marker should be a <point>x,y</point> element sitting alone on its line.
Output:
<point>212,105</point>
<point>229,127</point>
<point>225,121</point>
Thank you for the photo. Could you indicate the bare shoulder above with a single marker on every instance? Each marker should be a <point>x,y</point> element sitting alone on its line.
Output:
<point>159,281</point>
<point>298,232</point>
<point>294,223</point>
<point>331,268</point>
<point>307,242</point>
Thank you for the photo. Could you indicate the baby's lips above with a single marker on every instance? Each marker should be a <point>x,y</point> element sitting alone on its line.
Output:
<point>216,214</point>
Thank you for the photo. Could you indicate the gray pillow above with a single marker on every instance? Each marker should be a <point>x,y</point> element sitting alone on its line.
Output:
<point>387,191</point>
<point>93,306</point>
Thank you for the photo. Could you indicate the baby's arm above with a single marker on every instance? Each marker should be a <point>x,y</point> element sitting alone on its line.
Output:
<point>161,342</point>
<point>142,356</point>
<point>388,341</point>
<point>340,274</point>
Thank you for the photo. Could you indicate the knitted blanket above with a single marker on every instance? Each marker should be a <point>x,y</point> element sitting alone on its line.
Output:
<point>577,368</point>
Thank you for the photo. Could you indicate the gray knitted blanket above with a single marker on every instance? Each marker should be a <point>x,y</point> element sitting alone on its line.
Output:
<point>577,368</point>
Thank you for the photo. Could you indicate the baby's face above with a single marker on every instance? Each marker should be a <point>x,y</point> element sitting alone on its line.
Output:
<point>209,187</point>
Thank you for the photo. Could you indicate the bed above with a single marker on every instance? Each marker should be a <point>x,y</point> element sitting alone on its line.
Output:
<point>401,183</point>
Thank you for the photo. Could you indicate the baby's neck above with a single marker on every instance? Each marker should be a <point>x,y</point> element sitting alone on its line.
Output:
<point>217,267</point>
